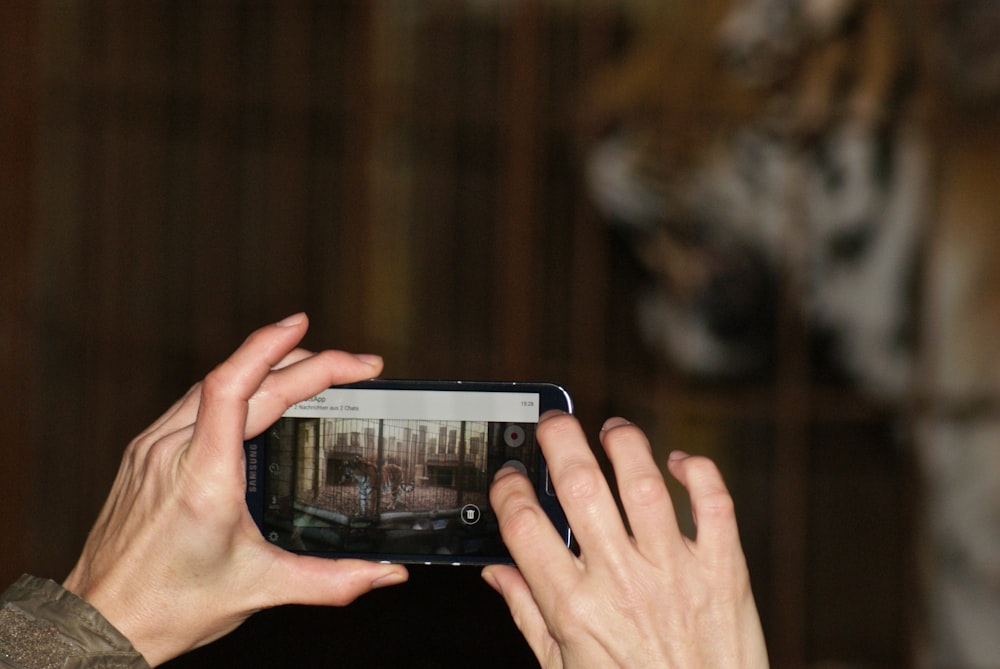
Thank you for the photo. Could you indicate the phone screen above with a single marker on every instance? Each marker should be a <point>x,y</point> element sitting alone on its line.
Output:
<point>398,471</point>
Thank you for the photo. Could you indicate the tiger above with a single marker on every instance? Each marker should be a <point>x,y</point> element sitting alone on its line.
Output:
<point>392,483</point>
<point>726,192</point>
<point>850,149</point>
<point>804,52</point>
<point>365,475</point>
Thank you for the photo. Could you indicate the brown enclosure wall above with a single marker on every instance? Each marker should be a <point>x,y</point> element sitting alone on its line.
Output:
<point>175,174</point>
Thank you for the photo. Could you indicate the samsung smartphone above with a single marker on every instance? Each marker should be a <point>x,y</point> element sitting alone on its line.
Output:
<point>399,471</point>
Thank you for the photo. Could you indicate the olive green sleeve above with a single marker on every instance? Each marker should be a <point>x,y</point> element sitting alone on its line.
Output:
<point>44,626</point>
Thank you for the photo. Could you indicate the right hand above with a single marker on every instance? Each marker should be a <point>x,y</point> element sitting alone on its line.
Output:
<point>650,599</point>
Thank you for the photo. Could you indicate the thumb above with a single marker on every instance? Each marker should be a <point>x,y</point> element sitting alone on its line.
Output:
<point>304,579</point>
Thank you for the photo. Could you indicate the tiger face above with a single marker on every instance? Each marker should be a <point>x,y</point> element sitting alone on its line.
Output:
<point>762,39</point>
<point>828,202</point>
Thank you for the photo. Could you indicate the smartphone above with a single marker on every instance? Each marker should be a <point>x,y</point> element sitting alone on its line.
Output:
<point>399,471</point>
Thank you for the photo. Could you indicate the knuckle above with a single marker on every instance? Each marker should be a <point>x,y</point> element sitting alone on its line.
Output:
<point>576,612</point>
<point>520,523</point>
<point>580,481</point>
<point>645,490</point>
<point>707,484</point>
<point>214,381</point>
<point>517,512</point>
<point>717,506</point>
<point>217,382</point>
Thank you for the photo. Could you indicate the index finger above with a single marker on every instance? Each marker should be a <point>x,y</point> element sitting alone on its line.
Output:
<point>246,391</point>
<point>304,378</point>
<point>538,550</point>
<point>185,410</point>
<point>226,391</point>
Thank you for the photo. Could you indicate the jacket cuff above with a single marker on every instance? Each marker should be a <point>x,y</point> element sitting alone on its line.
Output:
<point>44,626</point>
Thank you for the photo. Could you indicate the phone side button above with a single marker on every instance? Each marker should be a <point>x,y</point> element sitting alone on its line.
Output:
<point>549,488</point>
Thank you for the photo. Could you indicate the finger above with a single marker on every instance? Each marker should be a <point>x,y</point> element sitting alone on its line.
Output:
<point>529,535</point>
<point>581,488</point>
<point>711,503</point>
<point>302,379</point>
<point>643,491</point>
<point>515,591</point>
<point>226,391</point>
<point>302,579</point>
<point>293,357</point>
<point>185,410</point>
<point>183,413</point>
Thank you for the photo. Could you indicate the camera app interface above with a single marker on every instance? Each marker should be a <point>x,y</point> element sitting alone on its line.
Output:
<point>394,472</point>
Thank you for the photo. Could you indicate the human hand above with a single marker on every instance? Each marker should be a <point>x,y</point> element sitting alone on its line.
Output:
<point>650,599</point>
<point>175,560</point>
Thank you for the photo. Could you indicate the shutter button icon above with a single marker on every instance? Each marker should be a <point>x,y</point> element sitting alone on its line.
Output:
<point>513,436</point>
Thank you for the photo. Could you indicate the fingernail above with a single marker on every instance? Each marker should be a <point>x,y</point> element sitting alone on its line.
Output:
<point>289,321</point>
<point>386,580</point>
<point>678,455</point>
<point>491,580</point>
<point>369,359</point>
<point>614,422</point>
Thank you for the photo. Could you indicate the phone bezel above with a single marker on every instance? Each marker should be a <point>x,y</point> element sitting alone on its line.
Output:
<point>551,396</point>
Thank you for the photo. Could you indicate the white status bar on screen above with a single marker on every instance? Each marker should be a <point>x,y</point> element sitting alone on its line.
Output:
<point>419,404</point>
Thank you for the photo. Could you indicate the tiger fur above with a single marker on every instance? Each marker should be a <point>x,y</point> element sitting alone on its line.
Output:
<point>365,475</point>
<point>392,483</point>
<point>847,146</point>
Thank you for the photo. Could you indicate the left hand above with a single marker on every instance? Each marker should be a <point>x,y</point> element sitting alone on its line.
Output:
<point>175,560</point>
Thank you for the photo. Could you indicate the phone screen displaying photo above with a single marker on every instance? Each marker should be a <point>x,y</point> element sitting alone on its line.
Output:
<point>398,471</point>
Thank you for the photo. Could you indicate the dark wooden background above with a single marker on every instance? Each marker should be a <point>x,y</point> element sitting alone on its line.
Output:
<point>174,174</point>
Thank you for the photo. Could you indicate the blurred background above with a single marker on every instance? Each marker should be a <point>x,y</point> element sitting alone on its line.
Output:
<point>447,183</point>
